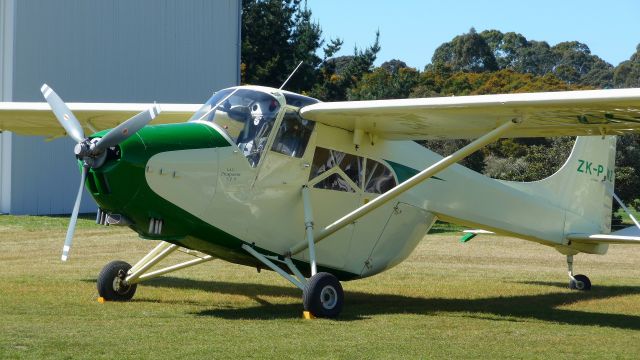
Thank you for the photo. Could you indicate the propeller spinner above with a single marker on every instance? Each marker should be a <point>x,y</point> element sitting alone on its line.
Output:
<point>92,152</point>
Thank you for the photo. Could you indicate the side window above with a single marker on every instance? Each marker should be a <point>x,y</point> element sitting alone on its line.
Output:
<point>378,178</point>
<point>334,182</point>
<point>323,160</point>
<point>352,167</point>
<point>293,135</point>
<point>344,166</point>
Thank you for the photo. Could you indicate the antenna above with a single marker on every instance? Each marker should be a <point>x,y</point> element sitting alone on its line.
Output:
<point>293,72</point>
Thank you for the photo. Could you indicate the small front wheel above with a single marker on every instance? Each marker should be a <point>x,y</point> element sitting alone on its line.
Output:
<point>323,296</point>
<point>111,284</point>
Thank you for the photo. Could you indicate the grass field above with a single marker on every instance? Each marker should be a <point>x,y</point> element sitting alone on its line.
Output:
<point>490,298</point>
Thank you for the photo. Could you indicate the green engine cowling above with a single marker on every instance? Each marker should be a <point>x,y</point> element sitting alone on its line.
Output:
<point>119,185</point>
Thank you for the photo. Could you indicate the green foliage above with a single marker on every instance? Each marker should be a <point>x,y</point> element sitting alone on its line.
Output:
<point>505,47</point>
<point>276,36</point>
<point>576,65</point>
<point>467,52</point>
<point>340,74</point>
<point>627,74</point>
<point>442,81</point>
<point>571,61</point>
<point>384,84</point>
<point>529,163</point>
<point>627,165</point>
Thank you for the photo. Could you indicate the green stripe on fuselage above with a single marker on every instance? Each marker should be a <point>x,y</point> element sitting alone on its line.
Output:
<point>404,172</point>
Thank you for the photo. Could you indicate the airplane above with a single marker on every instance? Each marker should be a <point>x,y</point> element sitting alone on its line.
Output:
<point>324,192</point>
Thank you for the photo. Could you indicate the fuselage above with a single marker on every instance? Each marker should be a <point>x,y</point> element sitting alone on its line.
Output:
<point>233,175</point>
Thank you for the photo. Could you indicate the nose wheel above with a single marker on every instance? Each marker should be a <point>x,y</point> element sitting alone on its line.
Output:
<point>111,285</point>
<point>577,282</point>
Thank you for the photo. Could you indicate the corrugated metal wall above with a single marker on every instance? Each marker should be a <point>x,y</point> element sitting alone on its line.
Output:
<point>110,51</point>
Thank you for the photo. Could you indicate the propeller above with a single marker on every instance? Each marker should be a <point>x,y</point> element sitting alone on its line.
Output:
<point>74,216</point>
<point>65,117</point>
<point>92,152</point>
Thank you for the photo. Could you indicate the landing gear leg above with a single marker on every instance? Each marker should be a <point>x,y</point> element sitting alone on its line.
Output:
<point>322,293</point>
<point>118,280</point>
<point>577,282</point>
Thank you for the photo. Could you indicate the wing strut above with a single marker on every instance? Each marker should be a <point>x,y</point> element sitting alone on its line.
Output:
<point>422,176</point>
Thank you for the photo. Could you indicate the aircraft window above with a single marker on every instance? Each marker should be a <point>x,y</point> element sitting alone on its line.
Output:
<point>299,100</point>
<point>246,115</point>
<point>352,166</point>
<point>206,108</point>
<point>325,160</point>
<point>293,136</point>
<point>379,179</point>
<point>334,182</point>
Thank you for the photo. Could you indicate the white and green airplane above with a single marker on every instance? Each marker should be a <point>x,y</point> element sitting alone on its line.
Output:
<point>322,192</point>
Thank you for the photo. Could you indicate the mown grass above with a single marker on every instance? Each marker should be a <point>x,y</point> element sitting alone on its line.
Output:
<point>490,298</point>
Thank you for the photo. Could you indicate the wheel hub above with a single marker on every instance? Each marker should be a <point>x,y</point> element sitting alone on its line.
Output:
<point>329,297</point>
<point>119,284</point>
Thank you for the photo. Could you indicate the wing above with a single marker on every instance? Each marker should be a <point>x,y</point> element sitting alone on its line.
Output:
<point>36,118</point>
<point>574,113</point>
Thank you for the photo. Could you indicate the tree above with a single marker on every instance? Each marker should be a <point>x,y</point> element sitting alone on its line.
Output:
<point>536,58</point>
<point>395,83</point>
<point>393,66</point>
<point>530,163</point>
<point>305,41</point>
<point>468,52</point>
<point>576,65</point>
<point>506,47</point>
<point>627,73</point>
<point>276,36</point>
<point>340,74</point>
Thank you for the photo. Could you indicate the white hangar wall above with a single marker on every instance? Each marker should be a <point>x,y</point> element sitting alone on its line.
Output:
<point>103,51</point>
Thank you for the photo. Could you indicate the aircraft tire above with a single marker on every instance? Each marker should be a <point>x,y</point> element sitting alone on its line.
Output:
<point>323,295</point>
<point>581,283</point>
<point>109,282</point>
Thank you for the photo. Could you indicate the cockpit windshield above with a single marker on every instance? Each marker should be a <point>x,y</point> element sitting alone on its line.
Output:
<point>231,109</point>
<point>246,115</point>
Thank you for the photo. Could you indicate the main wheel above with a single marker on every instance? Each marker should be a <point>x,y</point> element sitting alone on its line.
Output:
<point>580,282</point>
<point>111,282</point>
<point>323,296</point>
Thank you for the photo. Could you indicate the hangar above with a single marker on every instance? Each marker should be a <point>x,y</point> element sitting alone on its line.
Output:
<point>102,51</point>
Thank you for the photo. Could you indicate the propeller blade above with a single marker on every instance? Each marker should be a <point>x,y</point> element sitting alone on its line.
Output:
<point>65,117</point>
<point>126,129</point>
<point>74,216</point>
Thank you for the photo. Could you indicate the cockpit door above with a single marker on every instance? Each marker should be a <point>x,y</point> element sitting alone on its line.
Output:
<point>335,181</point>
<point>276,194</point>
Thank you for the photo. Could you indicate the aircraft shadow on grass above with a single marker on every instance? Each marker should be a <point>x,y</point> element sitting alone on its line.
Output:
<point>359,305</point>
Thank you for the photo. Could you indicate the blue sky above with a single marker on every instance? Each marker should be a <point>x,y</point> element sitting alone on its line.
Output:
<point>411,30</point>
